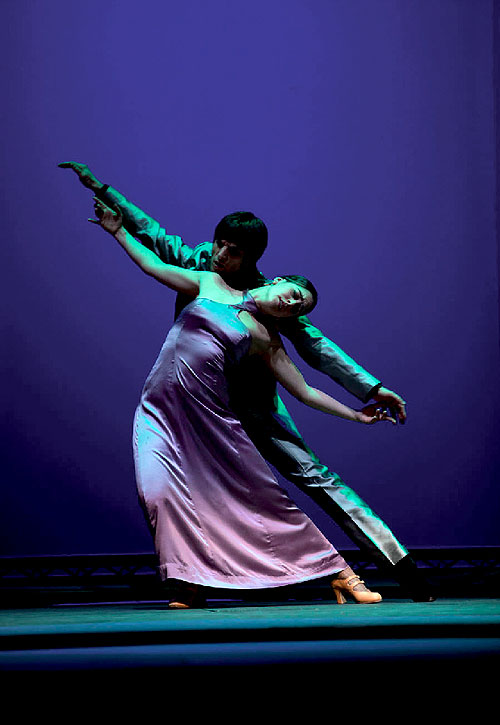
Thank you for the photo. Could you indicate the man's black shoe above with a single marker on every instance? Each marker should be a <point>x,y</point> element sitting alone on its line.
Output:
<point>412,581</point>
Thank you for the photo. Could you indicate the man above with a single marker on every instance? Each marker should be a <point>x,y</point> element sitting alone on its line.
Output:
<point>239,241</point>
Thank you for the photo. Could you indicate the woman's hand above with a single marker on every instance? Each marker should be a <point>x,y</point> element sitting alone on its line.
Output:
<point>109,219</point>
<point>374,413</point>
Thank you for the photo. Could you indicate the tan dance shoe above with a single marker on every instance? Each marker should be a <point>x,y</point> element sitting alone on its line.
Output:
<point>185,595</point>
<point>346,586</point>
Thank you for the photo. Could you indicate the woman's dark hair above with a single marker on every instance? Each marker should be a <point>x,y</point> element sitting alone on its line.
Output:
<point>305,284</point>
<point>246,231</point>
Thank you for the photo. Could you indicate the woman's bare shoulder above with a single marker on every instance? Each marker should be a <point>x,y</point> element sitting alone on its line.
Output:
<point>208,279</point>
<point>213,286</point>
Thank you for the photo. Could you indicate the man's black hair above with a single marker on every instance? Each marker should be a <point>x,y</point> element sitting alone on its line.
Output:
<point>246,231</point>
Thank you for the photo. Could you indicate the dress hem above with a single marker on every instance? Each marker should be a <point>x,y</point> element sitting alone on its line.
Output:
<point>176,572</point>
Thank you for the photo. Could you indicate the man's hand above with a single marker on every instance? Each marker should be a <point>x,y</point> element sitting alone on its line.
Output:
<point>85,175</point>
<point>108,219</point>
<point>393,401</point>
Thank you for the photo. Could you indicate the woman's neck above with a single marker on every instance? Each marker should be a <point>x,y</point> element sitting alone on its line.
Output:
<point>259,294</point>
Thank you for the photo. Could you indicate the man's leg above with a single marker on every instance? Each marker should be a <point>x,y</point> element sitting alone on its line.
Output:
<point>279,442</point>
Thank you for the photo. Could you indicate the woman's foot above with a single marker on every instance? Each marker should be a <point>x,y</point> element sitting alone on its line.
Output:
<point>347,582</point>
<point>185,595</point>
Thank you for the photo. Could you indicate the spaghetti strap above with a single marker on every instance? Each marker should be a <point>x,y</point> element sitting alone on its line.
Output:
<point>248,304</point>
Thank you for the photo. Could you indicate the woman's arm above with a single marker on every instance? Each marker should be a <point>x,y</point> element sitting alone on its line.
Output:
<point>292,380</point>
<point>181,280</point>
<point>324,355</point>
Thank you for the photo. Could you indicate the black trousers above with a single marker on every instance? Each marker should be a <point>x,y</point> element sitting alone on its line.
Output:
<point>279,442</point>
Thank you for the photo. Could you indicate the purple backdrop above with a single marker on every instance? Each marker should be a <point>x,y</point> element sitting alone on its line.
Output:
<point>363,133</point>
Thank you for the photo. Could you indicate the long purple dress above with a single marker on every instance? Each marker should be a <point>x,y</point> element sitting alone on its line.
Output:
<point>218,514</point>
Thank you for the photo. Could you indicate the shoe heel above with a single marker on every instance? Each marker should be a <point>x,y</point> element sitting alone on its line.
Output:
<point>178,605</point>
<point>347,585</point>
<point>340,597</point>
<point>185,595</point>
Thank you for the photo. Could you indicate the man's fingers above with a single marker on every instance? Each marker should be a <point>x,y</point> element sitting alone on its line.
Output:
<point>94,221</point>
<point>71,165</point>
<point>402,410</point>
<point>99,207</point>
<point>398,412</point>
<point>98,202</point>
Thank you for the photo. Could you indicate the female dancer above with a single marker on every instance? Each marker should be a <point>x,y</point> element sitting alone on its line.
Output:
<point>218,514</point>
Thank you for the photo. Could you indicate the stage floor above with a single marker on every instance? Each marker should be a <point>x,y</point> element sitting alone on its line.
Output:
<point>309,639</point>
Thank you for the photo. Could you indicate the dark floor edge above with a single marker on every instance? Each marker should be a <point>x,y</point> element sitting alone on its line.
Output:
<point>211,635</point>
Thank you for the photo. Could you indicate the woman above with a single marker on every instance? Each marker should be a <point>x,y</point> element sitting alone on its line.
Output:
<point>218,514</point>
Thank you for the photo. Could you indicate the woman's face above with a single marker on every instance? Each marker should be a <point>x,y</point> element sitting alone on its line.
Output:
<point>286,299</point>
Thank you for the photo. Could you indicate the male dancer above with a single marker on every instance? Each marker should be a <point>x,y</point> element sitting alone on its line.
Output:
<point>239,241</point>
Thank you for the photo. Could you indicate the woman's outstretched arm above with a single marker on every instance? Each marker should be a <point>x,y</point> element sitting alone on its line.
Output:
<point>181,280</point>
<point>287,373</point>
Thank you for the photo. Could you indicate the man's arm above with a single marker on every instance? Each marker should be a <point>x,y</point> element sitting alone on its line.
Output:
<point>291,378</point>
<point>169,248</point>
<point>324,355</point>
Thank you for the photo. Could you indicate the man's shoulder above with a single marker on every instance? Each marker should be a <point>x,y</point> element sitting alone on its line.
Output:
<point>204,246</point>
<point>200,256</point>
<point>292,326</point>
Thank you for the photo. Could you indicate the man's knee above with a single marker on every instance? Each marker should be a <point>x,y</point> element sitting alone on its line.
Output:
<point>300,465</point>
<point>280,443</point>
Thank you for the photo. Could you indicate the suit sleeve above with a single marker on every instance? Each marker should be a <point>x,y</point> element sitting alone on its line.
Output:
<point>324,355</point>
<point>169,247</point>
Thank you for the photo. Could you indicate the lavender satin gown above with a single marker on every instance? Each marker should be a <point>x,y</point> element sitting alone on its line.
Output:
<point>218,514</point>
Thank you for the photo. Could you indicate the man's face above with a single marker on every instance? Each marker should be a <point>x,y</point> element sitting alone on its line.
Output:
<point>227,258</point>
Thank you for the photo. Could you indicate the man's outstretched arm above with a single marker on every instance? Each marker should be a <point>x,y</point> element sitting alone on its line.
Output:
<point>170,248</point>
<point>324,355</point>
